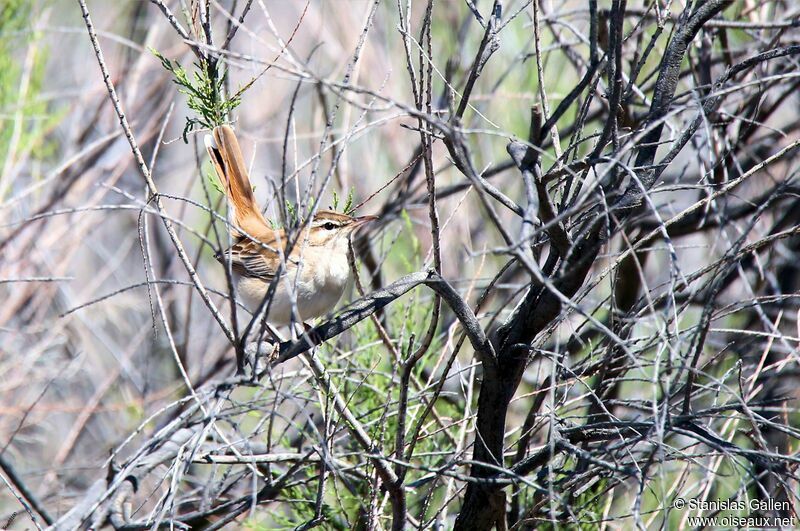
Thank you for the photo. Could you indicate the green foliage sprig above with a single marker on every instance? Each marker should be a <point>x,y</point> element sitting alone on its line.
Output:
<point>293,217</point>
<point>348,205</point>
<point>204,89</point>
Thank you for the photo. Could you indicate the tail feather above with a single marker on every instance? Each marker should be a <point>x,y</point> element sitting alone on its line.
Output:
<point>226,155</point>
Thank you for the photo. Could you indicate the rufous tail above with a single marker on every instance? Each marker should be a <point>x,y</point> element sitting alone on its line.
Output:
<point>226,155</point>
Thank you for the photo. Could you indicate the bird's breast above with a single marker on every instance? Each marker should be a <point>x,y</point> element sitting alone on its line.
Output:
<point>333,273</point>
<point>317,288</point>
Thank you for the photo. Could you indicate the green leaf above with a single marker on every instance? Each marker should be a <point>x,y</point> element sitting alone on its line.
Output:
<point>204,91</point>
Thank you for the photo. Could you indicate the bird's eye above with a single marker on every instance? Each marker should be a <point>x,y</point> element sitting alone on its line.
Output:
<point>329,226</point>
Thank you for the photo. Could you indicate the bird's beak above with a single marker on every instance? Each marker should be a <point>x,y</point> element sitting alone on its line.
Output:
<point>365,219</point>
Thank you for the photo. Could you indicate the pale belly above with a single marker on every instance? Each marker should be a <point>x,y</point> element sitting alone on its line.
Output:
<point>315,295</point>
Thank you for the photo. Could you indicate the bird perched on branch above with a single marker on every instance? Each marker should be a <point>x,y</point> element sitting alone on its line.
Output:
<point>316,270</point>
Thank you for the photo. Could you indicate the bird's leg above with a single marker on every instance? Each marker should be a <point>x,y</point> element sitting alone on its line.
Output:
<point>272,356</point>
<point>262,356</point>
<point>268,348</point>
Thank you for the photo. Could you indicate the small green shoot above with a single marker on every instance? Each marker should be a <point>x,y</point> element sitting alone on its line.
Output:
<point>292,217</point>
<point>213,180</point>
<point>348,205</point>
<point>204,89</point>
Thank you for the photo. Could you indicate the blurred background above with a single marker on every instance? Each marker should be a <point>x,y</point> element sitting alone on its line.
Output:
<point>85,361</point>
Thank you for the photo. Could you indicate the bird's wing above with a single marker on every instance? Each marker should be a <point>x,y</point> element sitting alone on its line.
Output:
<point>252,259</point>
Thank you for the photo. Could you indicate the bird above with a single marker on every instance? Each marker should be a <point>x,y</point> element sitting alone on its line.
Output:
<point>313,276</point>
